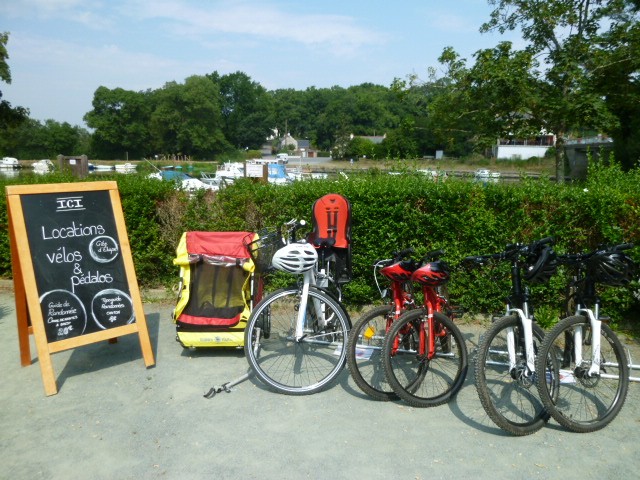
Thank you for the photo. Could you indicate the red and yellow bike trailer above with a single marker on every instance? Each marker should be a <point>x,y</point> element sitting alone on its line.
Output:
<point>218,288</point>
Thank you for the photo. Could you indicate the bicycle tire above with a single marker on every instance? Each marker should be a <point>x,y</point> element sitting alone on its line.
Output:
<point>297,367</point>
<point>364,353</point>
<point>581,403</point>
<point>509,397</point>
<point>419,381</point>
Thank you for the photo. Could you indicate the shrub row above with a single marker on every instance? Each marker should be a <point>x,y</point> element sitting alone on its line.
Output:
<point>394,212</point>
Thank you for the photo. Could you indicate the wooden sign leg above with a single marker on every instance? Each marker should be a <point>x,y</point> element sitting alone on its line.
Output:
<point>143,335</point>
<point>22,313</point>
<point>44,358</point>
<point>22,318</point>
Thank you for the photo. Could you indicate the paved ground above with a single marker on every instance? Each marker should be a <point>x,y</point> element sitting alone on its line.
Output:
<point>114,418</point>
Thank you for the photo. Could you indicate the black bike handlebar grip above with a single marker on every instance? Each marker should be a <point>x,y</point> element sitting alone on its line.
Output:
<point>403,253</point>
<point>434,255</point>
<point>546,241</point>
<point>474,259</point>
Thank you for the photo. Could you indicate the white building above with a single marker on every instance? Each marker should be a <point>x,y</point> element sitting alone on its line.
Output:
<point>523,149</point>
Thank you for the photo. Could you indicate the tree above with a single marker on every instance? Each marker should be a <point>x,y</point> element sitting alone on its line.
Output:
<point>444,107</point>
<point>9,116</point>
<point>400,143</point>
<point>615,64</point>
<point>561,33</point>
<point>187,119</point>
<point>360,147</point>
<point>246,110</point>
<point>33,140</point>
<point>120,119</point>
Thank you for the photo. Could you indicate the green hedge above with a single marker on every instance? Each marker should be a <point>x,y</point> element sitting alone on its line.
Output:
<point>391,212</point>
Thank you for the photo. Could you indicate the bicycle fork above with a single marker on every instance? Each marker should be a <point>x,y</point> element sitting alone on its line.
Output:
<point>578,337</point>
<point>527,327</point>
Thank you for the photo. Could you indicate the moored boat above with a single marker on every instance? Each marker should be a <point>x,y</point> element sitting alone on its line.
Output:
<point>9,163</point>
<point>183,180</point>
<point>42,166</point>
<point>125,167</point>
<point>230,171</point>
<point>485,175</point>
<point>101,168</point>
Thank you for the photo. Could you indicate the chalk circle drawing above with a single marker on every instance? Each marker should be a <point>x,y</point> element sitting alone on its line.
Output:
<point>112,308</point>
<point>64,315</point>
<point>103,249</point>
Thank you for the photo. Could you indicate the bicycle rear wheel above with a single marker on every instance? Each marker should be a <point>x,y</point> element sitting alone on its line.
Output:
<point>418,380</point>
<point>364,353</point>
<point>297,367</point>
<point>508,393</point>
<point>582,402</point>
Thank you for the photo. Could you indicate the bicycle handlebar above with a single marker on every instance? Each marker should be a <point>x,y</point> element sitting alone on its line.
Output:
<point>623,246</point>
<point>406,253</point>
<point>433,256</point>
<point>575,258</point>
<point>511,252</point>
<point>292,227</point>
<point>397,256</point>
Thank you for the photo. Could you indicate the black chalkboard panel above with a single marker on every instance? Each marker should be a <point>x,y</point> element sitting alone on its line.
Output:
<point>73,274</point>
<point>78,263</point>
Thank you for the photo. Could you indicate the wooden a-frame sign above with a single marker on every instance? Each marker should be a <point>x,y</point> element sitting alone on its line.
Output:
<point>74,279</point>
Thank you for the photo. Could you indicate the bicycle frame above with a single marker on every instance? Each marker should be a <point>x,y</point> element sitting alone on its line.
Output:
<point>401,290</point>
<point>309,278</point>
<point>434,301</point>
<point>517,304</point>
<point>318,276</point>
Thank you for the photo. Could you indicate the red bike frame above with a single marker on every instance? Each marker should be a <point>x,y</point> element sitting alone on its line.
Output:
<point>434,301</point>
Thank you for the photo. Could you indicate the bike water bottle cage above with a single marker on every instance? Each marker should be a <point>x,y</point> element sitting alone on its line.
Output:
<point>400,271</point>
<point>432,273</point>
<point>541,265</point>
<point>295,258</point>
<point>612,268</point>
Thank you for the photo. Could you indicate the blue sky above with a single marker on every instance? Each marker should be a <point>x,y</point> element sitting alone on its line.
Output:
<point>61,51</point>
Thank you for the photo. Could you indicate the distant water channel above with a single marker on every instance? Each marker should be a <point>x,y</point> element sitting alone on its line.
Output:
<point>316,166</point>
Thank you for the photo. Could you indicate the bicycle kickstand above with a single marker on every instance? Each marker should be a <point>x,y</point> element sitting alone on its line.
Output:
<point>226,387</point>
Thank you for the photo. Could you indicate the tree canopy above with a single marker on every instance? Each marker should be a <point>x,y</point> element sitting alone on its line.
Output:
<point>577,72</point>
<point>9,116</point>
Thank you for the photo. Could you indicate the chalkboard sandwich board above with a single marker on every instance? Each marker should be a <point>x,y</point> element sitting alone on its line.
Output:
<point>73,273</point>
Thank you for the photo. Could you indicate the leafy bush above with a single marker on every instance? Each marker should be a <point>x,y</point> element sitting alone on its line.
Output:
<point>391,212</point>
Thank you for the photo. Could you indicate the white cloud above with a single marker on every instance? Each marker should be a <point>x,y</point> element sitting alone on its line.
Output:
<point>88,13</point>
<point>53,76</point>
<point>255,20</point>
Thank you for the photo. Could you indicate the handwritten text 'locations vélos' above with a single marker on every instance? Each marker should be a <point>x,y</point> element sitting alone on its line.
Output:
<point>62,255</point>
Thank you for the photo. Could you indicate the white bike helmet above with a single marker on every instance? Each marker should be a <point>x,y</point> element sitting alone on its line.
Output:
<point>295,258</point>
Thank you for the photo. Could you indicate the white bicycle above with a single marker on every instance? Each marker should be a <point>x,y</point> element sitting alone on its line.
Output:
<point>295,339</point>
<point>582,351</point>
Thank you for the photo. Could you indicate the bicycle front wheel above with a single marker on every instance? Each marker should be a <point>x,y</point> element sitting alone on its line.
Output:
<point>297,366</point>
<point>419,379</point>
<point>364,353</point>
<point>505,385</point>
<point>584,400</point>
